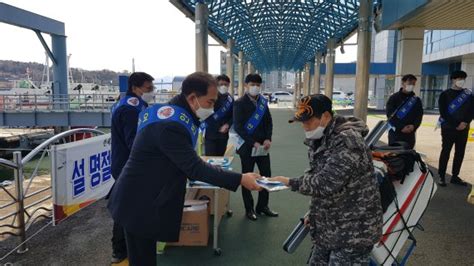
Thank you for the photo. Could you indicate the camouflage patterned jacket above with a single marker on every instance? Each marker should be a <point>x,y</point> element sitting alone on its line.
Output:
<point>345,210</point>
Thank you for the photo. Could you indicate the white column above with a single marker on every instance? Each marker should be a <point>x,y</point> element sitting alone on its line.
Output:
<point>467,66</point>
<point>317,74</point>
<point>201,22</point>
<point>241,74</point>
<point>329,77</point>
<point>230,65</point>
<point>364,43</point>
<point>307,80</point>
<point>409,55</point>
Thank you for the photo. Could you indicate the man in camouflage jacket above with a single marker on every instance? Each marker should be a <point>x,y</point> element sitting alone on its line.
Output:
<point>345,213</point>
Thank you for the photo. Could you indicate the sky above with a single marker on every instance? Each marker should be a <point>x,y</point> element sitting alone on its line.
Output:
<point>107,34</point>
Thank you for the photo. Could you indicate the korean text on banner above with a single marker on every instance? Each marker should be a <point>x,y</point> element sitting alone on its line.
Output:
<point>81,175</point>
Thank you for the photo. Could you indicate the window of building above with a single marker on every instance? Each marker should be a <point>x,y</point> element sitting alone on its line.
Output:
<point>463,38</point>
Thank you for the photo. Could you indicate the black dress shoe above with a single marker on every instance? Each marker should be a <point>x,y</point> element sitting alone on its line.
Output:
<point>251,215</point>
<point>442,182</point>
<point>458,181</point>
<point>267,212</point>
<point>118,258</point>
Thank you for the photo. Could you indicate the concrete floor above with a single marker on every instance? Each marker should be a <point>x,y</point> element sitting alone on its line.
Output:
<point>448,239</point>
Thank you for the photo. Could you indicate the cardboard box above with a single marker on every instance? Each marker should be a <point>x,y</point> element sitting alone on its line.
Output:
<point>194,225</point>
<point>208,194</point>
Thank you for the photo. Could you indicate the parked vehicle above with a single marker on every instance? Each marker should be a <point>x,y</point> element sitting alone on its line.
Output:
<point>282,96</point>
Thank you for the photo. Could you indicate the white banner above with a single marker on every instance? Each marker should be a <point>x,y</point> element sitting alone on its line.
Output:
<point>81,174</point>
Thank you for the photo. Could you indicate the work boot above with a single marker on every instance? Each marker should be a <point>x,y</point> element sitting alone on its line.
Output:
<point>442,181</point>
<point>118,258</point>
<point>458,181</point>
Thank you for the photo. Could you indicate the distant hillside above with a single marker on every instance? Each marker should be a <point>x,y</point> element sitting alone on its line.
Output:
<point>13,70</point>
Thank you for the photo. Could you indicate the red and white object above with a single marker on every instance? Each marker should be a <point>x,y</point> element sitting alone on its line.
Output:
<point>412,198</point>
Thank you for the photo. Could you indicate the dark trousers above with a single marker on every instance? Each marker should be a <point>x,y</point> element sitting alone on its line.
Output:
<point>119,246</point>
<point>457,138</point>
<point>215,147</point>
<point>141,251</point>
<point>394,137</point>
<point>248,164</point>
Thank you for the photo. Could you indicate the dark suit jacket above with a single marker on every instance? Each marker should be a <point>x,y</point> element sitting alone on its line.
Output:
<point>148,198</point>
<point>123,131</point>
<point>213,126</point>
<point>465,113</point>
<point>414,117</point>
<point>243,110</point>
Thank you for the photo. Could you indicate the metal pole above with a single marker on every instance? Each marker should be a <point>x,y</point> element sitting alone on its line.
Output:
<point>307,79</point>
<point>295,91</point>
<point>300,87</point>
<point>241,73</point>
<point>363,59</point>
<point>201,22</point>
<point>330,58</point>
<point>230,65</point>
<point>60,69</point>
<point>249,68</point>
<point>18,173</point>
<point>317,74</point>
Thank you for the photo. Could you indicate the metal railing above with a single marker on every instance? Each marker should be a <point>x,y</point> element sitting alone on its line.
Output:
<point>92,102</point>
<point>24,207</point>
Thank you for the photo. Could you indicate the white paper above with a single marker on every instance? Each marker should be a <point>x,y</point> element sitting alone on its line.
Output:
<point>260,151</point>
<point>235,140</point>
<point>271,186</point>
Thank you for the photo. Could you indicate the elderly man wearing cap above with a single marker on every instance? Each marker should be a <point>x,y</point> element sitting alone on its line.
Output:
<point>345,212</point>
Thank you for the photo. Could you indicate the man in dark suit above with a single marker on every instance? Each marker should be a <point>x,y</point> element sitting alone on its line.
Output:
<point>148,198</point>
<point>404,113</point>
<point>218,125</point>
<point>253,123</point>
<point>123,130</point>
<point>456,109</point>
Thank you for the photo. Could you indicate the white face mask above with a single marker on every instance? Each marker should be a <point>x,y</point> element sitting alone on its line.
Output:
<point>254,90</point>
<point>148,97</point>
<point>409,88</point>
<point>460,83</point>
<point>223,89</point>
<point>315,133</point>
<point>204,113</point>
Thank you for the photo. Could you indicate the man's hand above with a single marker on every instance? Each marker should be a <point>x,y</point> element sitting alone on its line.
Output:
<point>408,129</point>
<point>224,128</point>
<point>282,179</point>
<point>461,126</point>
<point>267,144</point>
<point>249,181</point>
<point>256,145</point>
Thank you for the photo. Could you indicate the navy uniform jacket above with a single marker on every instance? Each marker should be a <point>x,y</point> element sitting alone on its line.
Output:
<point>123,131</point>
<point>243,110</point>
<point>414,117</point>
<point>465,113</point>
<point>148,198</point>
<point>213,126</point>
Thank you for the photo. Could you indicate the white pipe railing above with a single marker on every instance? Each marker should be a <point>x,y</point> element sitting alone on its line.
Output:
<point>25,215</point>
<point>93,102</point>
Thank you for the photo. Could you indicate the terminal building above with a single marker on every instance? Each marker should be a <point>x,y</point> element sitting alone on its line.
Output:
<point>443,52</point>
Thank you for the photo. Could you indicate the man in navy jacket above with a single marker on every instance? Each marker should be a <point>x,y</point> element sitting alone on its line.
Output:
<point>218,125</point>
<point>148,198</point>
<point>123,129</point>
